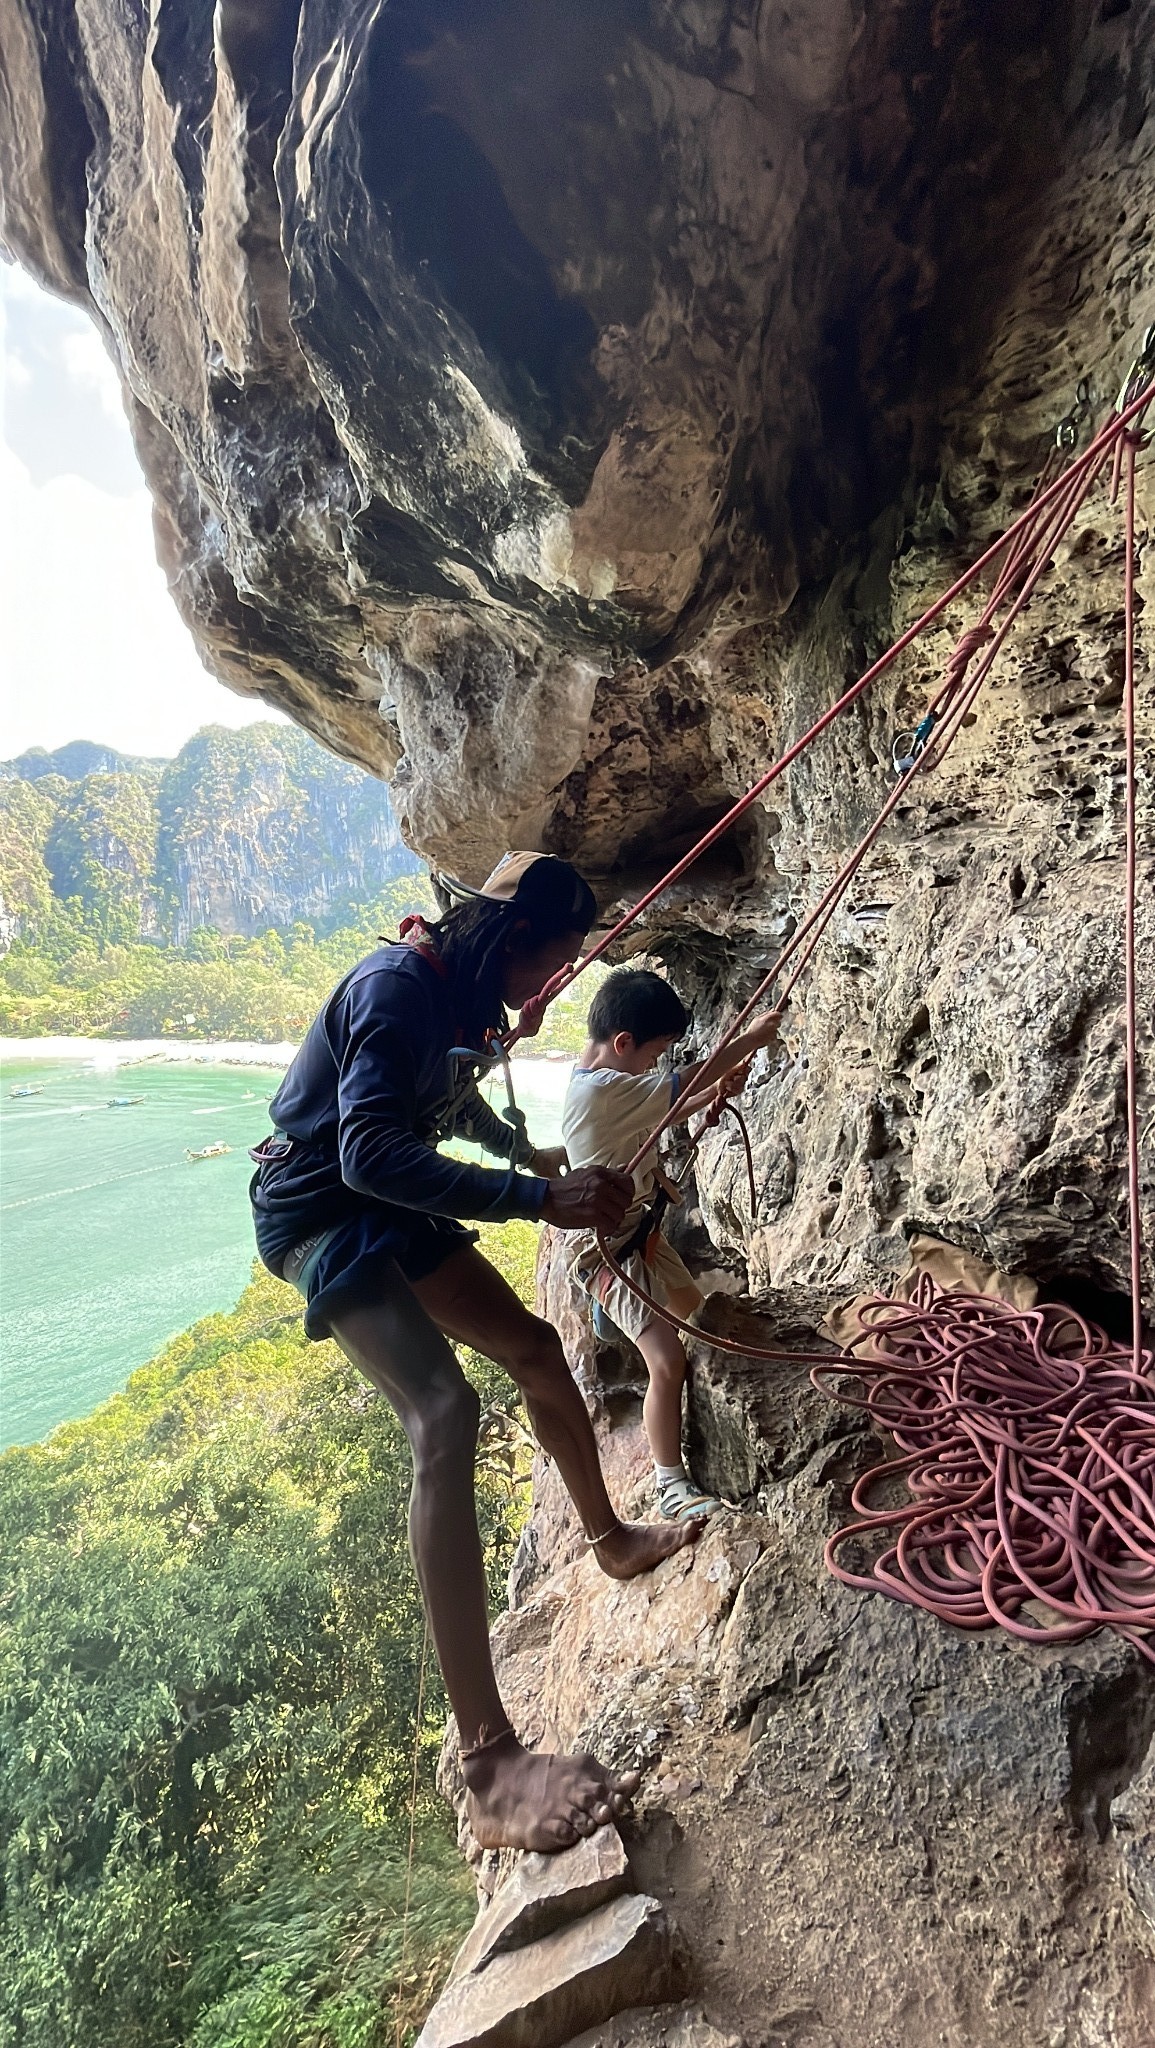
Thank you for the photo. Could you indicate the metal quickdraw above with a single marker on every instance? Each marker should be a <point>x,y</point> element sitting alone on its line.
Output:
<point>512,1114</point>
<point>909,745</point>
<point>1135,385</point>
<point>1069,427</point>
<point>1140,374</point>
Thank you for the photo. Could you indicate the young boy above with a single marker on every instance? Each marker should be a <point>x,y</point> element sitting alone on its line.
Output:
<point>614,1101</point>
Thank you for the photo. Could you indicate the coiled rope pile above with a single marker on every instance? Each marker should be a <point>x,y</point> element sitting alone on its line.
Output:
<point>1027,1446</point>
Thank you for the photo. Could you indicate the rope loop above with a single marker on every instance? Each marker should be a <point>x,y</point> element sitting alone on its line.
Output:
<point>1026,1443</point>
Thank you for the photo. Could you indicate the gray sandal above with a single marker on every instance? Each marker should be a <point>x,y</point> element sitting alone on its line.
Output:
<point>679,1500</point>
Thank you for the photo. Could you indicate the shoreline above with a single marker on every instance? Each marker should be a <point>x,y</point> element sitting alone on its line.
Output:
<point>206,1052</point>
<point>137,1052</point>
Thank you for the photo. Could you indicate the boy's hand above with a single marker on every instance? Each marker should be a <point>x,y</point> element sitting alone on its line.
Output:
<point>764,1030</point>
<point>550,1161</point>
<point>593,1198</point>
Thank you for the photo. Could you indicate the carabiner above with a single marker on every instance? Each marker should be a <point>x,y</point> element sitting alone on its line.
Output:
<point>909,745</point>
<point>1141,372</point>
<point>511,1114</point>
<point>1067,431</point>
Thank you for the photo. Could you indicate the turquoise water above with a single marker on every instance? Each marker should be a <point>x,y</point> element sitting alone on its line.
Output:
<point>112,1239</point>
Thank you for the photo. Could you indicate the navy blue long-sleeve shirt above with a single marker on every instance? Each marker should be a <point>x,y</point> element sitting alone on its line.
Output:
<point>372,1090</point>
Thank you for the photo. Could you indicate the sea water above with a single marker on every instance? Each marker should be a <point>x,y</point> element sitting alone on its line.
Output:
<point>112,1239</point>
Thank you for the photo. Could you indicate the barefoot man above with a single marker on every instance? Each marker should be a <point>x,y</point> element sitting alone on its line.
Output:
<point>354,1205</point>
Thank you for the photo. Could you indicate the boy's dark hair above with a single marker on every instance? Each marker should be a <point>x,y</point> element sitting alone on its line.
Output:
<point>634,1000</point>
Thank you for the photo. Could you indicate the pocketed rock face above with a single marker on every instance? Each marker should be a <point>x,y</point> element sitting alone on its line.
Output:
<point>867,1827</point>
<point>551,410</point>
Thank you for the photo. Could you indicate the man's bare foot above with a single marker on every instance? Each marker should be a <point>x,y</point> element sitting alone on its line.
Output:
<point>635,1547</point>
<point>517,1799</point>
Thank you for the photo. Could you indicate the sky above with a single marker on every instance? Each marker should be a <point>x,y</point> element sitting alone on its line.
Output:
<point>91,645</point>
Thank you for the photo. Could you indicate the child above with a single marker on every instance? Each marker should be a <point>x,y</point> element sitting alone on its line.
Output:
<point>614,1101</point>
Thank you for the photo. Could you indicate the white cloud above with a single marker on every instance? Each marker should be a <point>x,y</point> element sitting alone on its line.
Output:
<point>91,644</point>
<point>18,284</point>
<point>86,360</point>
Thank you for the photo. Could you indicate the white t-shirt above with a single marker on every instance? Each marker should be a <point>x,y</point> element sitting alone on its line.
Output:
<point>607,1116</point>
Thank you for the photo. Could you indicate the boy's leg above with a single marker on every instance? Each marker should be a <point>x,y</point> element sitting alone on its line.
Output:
<point>472,1303</point>
<point>518,1800</point>
<point>665,1358</point>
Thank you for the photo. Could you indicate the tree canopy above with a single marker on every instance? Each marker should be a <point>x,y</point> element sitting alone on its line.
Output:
<point>209,1676</point>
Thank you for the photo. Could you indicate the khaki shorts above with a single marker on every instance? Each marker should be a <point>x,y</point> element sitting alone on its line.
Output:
<point>659,1272</point>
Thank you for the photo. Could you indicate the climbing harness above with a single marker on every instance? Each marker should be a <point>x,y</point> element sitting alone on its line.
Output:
<point>667,1195</point>
<point>472,1063</point>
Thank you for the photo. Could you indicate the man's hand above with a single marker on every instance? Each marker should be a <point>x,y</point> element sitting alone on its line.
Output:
<point>550,1161</point>
<point>593,1198</point>
<point>733,1082</point>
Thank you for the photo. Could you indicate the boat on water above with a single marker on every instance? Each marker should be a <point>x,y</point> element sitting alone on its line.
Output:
<point>124,1101</point>
<point>21,1092</point>
<point>216,1151</point>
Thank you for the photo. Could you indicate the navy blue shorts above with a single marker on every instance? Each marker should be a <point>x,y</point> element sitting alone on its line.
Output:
<point>352,1264</point>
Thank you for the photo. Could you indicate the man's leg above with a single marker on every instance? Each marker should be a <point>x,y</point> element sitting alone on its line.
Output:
<point>471,1302</point>
<point>517,1800</point>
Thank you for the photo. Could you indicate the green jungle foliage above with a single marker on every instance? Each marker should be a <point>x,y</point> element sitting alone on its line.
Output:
<point>101,853</point>
<point>27,813</point>
<point>73,984</point>
<point>247,829</point>
<point>209,1680</point>
<point>268,988</point>
<point>104,873</point>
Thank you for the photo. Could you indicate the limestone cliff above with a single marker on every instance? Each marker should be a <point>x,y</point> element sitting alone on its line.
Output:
<point>552,409</point>
<point>868,1828</point>
<point>240,832</point>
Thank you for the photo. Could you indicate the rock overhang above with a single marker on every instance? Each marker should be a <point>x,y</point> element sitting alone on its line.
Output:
<point>553,412</point>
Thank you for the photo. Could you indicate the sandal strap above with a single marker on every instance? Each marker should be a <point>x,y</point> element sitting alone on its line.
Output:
<point>680,1497</point>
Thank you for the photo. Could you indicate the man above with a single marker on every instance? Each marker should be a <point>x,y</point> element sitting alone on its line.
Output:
<point>354,1205</point>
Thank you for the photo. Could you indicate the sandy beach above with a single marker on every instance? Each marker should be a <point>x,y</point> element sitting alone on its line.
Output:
<point>135,1052</point>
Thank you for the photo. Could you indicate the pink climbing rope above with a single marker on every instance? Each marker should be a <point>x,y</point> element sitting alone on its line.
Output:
<point>1027,1444</point>
<point>1011,542</point>
<point>1129,957</point>
<point>1027,1439</point>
